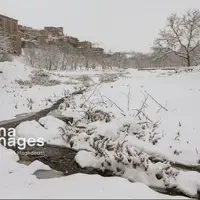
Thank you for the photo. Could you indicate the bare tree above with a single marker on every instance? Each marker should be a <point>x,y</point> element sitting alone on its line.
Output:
<point>46,56</point>
<point>65,50</point>
<point>5,46</point>
<point>88,58</point>
<point>180,37</point>
<point>105,61</point>
<point>50,56</point>
<point>120,60</point>
<point>74,59</point>
<point>68,56</point>
<point>31,57</point>
<point>140,60</point>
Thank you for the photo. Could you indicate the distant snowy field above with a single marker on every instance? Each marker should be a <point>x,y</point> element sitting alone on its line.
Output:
<point>178,131</point>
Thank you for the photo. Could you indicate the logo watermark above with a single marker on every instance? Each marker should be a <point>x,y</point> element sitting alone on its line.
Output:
<point>30,153</point>
<point>8,138</point>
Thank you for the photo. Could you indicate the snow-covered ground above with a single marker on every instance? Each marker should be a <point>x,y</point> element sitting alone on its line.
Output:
<point>178,126</point>
<point>148,115</point>
<point>17,181</point>
<point>16,97</point>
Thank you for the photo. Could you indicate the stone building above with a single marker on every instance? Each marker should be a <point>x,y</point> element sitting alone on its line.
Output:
<point>54,31</point>
<point>24,36</point>
<point>9,28</point>
<point>72,40</point>
<point>84,44</point>
<point>43,36</point>
<point>97,51</point>
<point>28,33</point>
<point>84,47</point>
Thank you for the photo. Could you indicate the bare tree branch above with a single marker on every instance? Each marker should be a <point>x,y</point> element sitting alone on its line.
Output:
<point>180,37</point>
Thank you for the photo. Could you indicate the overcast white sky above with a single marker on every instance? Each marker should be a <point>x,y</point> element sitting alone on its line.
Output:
<point>119,25</point>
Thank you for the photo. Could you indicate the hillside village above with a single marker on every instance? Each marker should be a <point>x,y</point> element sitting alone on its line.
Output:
<point>28,37</point>
<point>24,36</point>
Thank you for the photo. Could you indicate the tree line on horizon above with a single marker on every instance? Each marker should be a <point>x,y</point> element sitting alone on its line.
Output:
<point>177,44</point>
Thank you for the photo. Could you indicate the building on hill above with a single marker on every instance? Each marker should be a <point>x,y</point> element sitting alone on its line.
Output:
<point>9,28</point>
<point>97,51</point>
<point>30,37</point>
<point>43,36</point>
<point>84,47</point>
<point>54,31</point>
<point>28,44</point>
<point>28,33</point>
<point>24,28</point>
<point>72,40</point>
<point>84,44</point>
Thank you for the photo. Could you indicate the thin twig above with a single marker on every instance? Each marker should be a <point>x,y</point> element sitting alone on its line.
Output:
<point>114,104</point>
<point>90,95</point>
<point>156,101</point>
<point>197,151</point>
<point>143,105</point>
<point>102,98</point>
<point>146,116</point>
<point>160,108</point>
<point>128,97</point>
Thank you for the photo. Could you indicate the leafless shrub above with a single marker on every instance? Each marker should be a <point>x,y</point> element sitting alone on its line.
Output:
<point>30,103</point>
<point>42,78</point>
<point>23,82</point>
<point>84,78</point>
<point>108,78</point>
<point>38,78</point>
<point>41,74</point>
<point>5,57</point>
<point>71,81</point>
<point>93,115</point>
<point>117,156</point>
